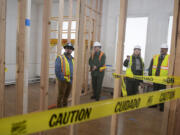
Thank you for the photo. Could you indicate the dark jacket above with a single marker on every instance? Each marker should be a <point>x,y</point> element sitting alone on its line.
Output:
<point>133,67</point>
<point>95,62</point>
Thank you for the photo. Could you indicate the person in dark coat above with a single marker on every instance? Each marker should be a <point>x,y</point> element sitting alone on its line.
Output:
<point>97,66</point>
<point>135,66</point>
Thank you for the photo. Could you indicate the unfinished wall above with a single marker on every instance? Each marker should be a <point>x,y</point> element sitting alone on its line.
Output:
<point>54,13</point>
<point>158,12</point>
<point>11,41</point>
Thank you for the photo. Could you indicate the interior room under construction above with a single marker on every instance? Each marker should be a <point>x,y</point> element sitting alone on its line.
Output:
<point>35,33</point>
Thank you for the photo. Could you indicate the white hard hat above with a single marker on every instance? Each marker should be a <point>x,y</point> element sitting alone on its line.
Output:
<point>164,45</point>
<point>137,47</point>
<point>96,44</point>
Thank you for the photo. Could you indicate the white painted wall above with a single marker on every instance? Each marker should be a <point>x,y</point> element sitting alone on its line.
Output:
<point>158,12</point>
<point>11,24</point>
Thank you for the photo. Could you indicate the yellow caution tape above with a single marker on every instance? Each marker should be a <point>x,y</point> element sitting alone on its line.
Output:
<point>166,80</point>
<point>124,91</point>
<point>40,121</point>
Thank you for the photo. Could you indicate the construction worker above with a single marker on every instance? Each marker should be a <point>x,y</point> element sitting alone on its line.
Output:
<point>97,66</point>
<point>134,66</point>
<point>64,73</point>
<point>159,67</point>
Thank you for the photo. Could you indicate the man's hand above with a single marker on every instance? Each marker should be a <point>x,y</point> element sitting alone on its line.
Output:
<point>142,85</point>
<point>128,57</point>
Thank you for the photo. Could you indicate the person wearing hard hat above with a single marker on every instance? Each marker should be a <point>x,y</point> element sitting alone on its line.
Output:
<point>64,73</point>
<point>97,66</point>
<point>159,67</point>
<point>134,66</point>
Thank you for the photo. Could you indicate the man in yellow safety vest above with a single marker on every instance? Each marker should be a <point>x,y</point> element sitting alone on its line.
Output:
<point>159,67</point>
<point>64,73</point>
<point>97,65</point>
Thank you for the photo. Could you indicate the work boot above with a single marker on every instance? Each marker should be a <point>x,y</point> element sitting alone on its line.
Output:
<point>97,99</point>
<point>161,109</point>
<point>93,97</point>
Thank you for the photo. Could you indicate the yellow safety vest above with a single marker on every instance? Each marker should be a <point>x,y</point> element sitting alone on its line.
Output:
<point>101,69</point>
<point>128,70</point>
<point>65,69</point>
<point>164,65</point>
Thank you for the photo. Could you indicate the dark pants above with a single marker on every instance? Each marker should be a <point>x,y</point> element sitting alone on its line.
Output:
<point>157,87</point>
<point>131,86</point>
<point>97,85</point>
<point>64,90</point>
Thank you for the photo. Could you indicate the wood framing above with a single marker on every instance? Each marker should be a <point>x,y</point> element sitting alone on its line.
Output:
<point>70,19</point>
<point>97,16</point>
<point>3,5</point>
<point>88,49</point>
<point>119,60</point>
<point>99,22</point>
<point>94,10</point>
<point>26,55</point>
<point>60,22</point>
<point>84,48</point>
<point>171,121</point>
<point>59,45</point>
<point>164,128</point>
<point>23,35</point>
<point>77,74</point>
<point>44,82</point>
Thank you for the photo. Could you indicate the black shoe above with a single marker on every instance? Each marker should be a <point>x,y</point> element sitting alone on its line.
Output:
<point>161,109</point>
<point>153,106</point>
<point>93,97</point>
<point>82,91</point>
<point>97,99</point>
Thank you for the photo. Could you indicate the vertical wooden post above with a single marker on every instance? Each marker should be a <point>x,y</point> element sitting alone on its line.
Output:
<point>77,75</point>
<point>60,22</point>
<point>26,55</point>
<point>100,20</point>
<point>96,21</point>
<point>119,60</point>
<point>70,20</point>
<point>84,47</point>
<point>3,4</point>
<point>171,121</point>
<point>89,47</point>
<point>59,46</point>
<point>23,35</point>
<point>44,83</point>
<point>176,18</point>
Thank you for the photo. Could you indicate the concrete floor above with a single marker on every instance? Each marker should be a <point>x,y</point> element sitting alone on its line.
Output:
<point>140,122</point>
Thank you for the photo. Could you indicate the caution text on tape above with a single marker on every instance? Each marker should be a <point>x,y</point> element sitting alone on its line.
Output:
<point>40,121</point>
<point>166,80</point>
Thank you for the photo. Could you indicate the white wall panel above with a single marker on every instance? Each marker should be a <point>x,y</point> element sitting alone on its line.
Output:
<point>157,11</point>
